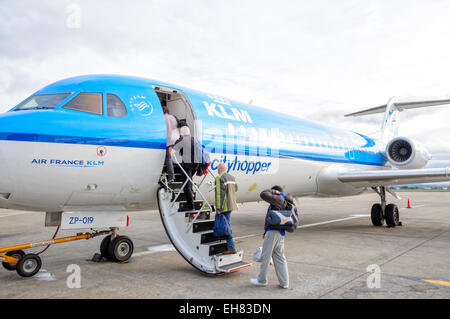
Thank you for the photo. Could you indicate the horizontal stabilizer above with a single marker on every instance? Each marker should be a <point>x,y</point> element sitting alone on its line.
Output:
<point>400,105</point>
<point>394,177</point>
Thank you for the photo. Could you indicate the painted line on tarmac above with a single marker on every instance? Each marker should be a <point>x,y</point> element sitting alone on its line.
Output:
<point>169,247</point>
<point>12,214</point>
<point>332,221</point>
<point>44,275</point>
<point>155,249</point>
<point>417,206</point>
<point>438,282</point>
<point>429,281</point>
<point>317,224</point>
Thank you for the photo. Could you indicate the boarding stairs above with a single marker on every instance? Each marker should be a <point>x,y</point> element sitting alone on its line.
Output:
<point>191,231</point>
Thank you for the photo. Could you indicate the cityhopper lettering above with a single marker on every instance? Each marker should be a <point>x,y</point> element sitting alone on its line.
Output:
<point>242,165</point>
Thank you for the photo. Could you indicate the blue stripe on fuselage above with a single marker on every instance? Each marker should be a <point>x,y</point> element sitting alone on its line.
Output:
<point>46,138</point>
<point>161,145</point>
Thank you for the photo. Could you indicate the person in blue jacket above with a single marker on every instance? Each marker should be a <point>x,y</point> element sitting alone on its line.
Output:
<point>273,245</point>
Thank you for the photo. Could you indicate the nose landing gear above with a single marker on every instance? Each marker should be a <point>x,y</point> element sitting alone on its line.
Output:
<point>382,212</point>
<point>116,248</point>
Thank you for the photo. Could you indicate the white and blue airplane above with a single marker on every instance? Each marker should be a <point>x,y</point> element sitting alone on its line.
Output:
<point>89,149</point>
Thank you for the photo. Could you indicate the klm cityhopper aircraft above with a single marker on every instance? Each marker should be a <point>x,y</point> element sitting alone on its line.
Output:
<point>89,149</point>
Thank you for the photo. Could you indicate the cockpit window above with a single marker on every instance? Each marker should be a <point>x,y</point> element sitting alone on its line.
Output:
<point>86,102</point>
<point>42,101</point>
<point>116,108</point>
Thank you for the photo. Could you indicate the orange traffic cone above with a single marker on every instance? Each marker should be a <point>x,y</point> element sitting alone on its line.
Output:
<point>409,204</point>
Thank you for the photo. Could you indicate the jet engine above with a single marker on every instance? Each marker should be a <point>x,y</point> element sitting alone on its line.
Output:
<point>404,153</point>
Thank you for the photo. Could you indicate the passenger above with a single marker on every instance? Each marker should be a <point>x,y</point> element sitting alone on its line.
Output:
<point>273,244</point>
<point>185,145</point>
<point>172,136</point>
<point>226,189</point>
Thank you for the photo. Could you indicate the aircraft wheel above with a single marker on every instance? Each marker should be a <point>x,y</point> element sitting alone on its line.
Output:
<point>16,254</point>
<point>376,215</point>
<point>121,248</point>
<point>29,265</point>
<point>392,215</point>
<point>104,247</point>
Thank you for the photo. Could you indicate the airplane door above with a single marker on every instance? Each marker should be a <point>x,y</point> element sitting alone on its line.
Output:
<point>178,105</point>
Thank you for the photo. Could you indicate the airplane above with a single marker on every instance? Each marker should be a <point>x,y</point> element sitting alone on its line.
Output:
<point>89,149</point>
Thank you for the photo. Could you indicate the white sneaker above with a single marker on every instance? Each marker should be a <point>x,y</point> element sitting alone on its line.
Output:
<point>256,282</point>
<point>284,287</point>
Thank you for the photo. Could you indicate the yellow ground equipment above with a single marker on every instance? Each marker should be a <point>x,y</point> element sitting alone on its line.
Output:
<point>27,265</point>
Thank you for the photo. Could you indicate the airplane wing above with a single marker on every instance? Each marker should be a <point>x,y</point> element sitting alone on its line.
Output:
<point>401,105</point>
<point>394,177</point>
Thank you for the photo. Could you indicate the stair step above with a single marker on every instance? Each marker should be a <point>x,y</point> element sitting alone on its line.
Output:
<point>205,215</point>
<point>215,249</point>
<point>175,184</point>
<point>200,226</point>
<point>175,173</point>
<point>240,265</point>
<point>182,196</point>
<point>183,205</point>
<point>176,169</point>
<point>164,174</point>
<point>208,237</point>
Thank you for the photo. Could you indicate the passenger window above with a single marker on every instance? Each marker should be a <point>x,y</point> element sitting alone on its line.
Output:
<point>86,102</point>
<point>116,108</point>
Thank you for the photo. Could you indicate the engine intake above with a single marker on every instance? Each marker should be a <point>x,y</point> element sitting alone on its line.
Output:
<point>405,153</point>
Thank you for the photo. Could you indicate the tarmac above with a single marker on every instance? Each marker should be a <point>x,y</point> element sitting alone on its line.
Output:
<point>333,254</point>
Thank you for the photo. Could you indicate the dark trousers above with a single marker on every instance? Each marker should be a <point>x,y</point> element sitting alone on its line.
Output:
<point>230,239</point>
<point>169,165</point>
<point>190,171</point>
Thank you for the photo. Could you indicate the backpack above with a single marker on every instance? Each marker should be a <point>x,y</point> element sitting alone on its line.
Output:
<point>286,219</point>
<point>181,123</point>
<point>202,157</point>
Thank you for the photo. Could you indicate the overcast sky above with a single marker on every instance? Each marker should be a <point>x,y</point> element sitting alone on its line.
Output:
<point>314,59</point>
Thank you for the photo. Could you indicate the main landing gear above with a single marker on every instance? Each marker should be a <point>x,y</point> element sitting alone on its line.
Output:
<point>382,212</point>
<point>113,248</point>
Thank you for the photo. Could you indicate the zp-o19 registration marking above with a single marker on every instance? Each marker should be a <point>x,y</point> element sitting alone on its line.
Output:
<point>85,220</point>
<point>79,220</point>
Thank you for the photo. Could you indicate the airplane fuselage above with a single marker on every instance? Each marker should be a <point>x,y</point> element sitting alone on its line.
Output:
<point>60,159</point>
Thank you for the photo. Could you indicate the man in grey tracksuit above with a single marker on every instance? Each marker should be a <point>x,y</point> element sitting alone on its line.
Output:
<point>273,245</point>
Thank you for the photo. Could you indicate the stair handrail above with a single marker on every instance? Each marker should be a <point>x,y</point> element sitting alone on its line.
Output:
<point>205,201</point>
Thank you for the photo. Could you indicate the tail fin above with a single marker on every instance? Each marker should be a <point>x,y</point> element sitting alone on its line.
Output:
<point>391,121</point>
